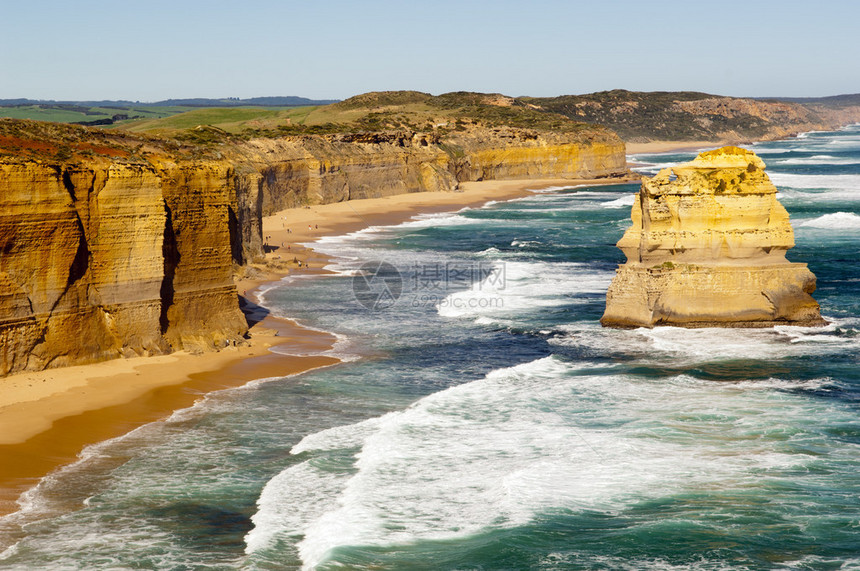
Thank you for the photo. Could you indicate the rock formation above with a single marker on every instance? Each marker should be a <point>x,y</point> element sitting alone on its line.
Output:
<point>102,259</point>
<point>113,245</point>
<point>707,249</point>
<point>286,172</point>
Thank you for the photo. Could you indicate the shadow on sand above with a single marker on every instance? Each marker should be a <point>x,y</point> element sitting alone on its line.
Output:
<point>254,313</point>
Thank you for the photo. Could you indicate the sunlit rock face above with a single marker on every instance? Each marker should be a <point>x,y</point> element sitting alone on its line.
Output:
<point>112,245</point>
<point>707,249</point>
<point>100,259</point>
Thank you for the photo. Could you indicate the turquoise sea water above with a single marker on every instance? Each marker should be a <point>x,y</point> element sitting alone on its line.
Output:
<point>493,424</point>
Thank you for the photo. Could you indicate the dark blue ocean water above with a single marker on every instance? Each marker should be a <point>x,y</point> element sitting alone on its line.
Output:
<point>493,424</point>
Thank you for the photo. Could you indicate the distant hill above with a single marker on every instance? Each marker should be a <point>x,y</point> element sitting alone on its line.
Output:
<point>110,112</point>
<point>693,116</point>
<point>369,112</point>
<point>287,101</point>
<point>852,99</point>
<point>635,116</point>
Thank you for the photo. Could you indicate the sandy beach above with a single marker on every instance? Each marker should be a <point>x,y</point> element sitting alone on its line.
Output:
<point>48,417</point>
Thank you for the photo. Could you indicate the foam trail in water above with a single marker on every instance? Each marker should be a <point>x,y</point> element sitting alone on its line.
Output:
<point>623,202</point>
<point>496,452</point>
<point>834,221</point>
<point>514,288</point>
<point>820,188</point>
<point>817,160</point>
<point>680,347</point>
<point>280,515</point>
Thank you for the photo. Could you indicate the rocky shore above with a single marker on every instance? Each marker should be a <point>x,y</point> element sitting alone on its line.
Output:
<point>707,249</point>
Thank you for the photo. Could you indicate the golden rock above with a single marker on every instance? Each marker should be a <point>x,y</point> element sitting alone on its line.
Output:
<point>707,249</point>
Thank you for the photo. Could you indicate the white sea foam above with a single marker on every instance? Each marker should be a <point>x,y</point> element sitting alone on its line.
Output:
<point>496,452</point>
<point>518,288</point>
<point>526,243</point>
<point>806,134</point>
<point>491,252</point>
<point>290,501</point>
<point>342,348</point>
<point>551,189</point>
<point>761,150</point>
<point>837,185</point>
<point>354,245</point>
<point>845,142</point>
<point>623,202</point>
<point>677,346</point>
<point>834,221</point>
<point>819,160</point>
<point>348,436</point>
<point>438,220</point>
<point>584,194</point>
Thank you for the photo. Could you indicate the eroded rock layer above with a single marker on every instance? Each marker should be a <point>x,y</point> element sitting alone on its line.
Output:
<point>101,259</point>
<point>112,245</point>
<point>274,174</point>
<point>707,249</point>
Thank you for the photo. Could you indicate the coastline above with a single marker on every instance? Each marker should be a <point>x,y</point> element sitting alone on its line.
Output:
<point>674,146</point>
<point>48,417</point>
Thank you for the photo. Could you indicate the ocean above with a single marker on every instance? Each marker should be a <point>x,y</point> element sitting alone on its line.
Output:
<point>481,418</point>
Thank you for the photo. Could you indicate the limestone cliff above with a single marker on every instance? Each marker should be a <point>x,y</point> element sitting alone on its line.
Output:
<point>707,248</point>
<point>277,173</point>
<point>102,259</point>
<point>507,153</point>
<point>115,244</point>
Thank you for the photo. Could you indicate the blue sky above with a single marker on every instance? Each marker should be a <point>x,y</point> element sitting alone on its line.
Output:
<point>148,51</point>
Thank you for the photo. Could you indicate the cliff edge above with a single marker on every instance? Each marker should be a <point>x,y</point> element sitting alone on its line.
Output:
<point>707,249</point>
<point>104,254</point>
<point>117,244</point>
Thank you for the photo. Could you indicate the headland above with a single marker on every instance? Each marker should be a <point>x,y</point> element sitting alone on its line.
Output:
<point>47,417</point>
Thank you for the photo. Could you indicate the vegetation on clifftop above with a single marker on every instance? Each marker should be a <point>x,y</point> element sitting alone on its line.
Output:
<point>635,116</point>
<point>372,112</point>
<point>689,116</point>
<point>59,142</point>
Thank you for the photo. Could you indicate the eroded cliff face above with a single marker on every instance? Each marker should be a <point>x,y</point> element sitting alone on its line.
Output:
<point>296,171</point>
<point>274,174</point>
<point>506,153</point>
<point>707,248</point>
<point>112,245</point>
<point>102,259</point>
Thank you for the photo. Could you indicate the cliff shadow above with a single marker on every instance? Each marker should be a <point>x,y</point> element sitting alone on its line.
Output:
<point>254,313</point>
<point>171,257</point>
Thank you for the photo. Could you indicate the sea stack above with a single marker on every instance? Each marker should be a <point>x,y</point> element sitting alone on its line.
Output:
<point>707,249</point>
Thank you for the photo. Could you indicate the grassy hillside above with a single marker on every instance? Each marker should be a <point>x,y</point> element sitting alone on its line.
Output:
<point>231,119</point>
<point>104,113</point>
<point>199,132</point>
<point>375,112</point>
<point>635,116</point>
<point>75,113</point>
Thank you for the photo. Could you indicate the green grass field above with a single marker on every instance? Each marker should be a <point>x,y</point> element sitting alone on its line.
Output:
<point>371,112</point>
<point>60,113</point>
<point>231,119</point>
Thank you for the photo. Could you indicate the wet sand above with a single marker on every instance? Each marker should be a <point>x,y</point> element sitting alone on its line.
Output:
<point>47,418</point>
